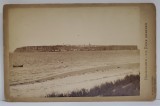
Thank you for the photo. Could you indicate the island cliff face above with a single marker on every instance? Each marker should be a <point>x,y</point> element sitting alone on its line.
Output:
<point>59,48</point>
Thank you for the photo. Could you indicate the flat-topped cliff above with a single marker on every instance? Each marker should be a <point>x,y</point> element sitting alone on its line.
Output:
<point>59,48</point>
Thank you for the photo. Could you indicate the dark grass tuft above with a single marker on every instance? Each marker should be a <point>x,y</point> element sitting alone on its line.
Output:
<point>129,86</point>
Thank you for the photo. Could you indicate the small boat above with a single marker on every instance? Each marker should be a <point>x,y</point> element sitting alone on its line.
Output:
<point>17,65</point>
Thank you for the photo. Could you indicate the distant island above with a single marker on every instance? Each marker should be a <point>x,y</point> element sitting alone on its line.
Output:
<point>61,48</point>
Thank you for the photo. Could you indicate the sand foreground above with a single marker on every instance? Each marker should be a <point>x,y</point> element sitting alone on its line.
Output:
<point>62,72</point>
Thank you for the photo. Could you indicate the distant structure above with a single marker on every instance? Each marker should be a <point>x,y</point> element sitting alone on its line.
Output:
<point>61,48</point>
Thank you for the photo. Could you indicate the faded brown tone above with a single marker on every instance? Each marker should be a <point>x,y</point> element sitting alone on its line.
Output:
<point>146,13</point>
<point>63,72</point>
<point>74,25</point>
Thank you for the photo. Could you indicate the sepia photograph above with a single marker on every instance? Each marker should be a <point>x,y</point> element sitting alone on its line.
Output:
<point>74,51</point>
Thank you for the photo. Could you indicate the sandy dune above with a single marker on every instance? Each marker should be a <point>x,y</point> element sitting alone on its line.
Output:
<point>45,73</point>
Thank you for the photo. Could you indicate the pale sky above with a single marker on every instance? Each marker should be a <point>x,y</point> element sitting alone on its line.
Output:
<point>76,26</point>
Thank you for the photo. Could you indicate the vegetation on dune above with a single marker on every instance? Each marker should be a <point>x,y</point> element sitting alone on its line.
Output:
<point>129,86</point>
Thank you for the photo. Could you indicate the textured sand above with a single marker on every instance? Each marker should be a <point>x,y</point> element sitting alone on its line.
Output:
<point>62,72</point>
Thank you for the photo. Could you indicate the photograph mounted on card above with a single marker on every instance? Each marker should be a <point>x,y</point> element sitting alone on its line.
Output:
<point>80,52</point>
